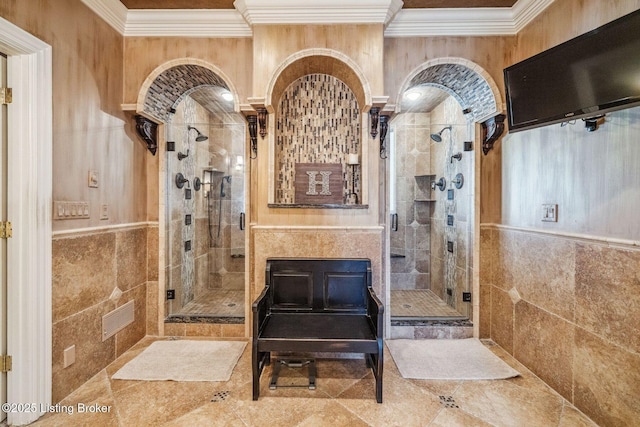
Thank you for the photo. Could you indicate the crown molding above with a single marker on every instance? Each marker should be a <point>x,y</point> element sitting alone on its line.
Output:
<point>525,11</point>
<point>325,12</point>
<point>451,22</point>
<point>465,22</point>
<point>112,12</point>
<point>186,23</point>
<point>237,23</point>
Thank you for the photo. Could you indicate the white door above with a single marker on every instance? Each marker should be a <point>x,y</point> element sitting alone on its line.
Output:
<point>3,242</point>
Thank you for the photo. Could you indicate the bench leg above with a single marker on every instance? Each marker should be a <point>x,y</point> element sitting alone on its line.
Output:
<point>255,368</point>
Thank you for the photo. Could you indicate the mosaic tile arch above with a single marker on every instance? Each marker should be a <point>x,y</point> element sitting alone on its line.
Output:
<point>318,120</point>
<point>471,86</point>
<point>171,85</point>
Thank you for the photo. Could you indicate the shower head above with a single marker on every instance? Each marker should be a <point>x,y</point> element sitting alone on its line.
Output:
<point>200,137</point>
<point>437,137</point>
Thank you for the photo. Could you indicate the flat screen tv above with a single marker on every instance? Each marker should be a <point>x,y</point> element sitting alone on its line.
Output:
<point>585,77</point>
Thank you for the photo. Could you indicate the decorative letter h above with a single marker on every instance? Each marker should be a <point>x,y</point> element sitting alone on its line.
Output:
<point>325,183</point>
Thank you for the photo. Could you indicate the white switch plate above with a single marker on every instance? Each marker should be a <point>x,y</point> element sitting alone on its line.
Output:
<point>104,211</point>
<point>93,178</point>
<point>550,213</point>
<point>70,210</point>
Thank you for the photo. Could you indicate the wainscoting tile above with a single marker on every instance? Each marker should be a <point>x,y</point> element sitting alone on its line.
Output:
<point>608,293</point>
<point>607,381</point>
<point>536,329</point>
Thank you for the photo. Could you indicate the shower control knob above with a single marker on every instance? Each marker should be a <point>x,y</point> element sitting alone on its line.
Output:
<point>458,181</point>
<point>181,180</point>
<point>441,184</point>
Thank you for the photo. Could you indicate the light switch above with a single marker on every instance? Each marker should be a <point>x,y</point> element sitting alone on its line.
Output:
<point>550,213</point>
<point>93,178</point>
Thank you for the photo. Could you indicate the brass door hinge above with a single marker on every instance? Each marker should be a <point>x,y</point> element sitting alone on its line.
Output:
<point>5,363</point>
<point>6,230</point>
<point>6,95</point>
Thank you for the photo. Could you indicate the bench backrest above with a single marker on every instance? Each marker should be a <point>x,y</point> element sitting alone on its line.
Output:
<point>318,285</point>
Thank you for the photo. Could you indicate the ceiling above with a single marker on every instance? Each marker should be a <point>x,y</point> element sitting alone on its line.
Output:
<point>228,4</point>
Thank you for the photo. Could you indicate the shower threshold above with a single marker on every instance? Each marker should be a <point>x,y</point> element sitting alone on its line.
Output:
<point>212,306</point>
<point>422,306</point>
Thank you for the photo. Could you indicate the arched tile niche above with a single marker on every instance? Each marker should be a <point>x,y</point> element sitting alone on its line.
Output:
<point>319,99</point>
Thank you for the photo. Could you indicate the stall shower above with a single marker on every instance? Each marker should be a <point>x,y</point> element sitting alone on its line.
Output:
<point>205,275</point>
<point>431,194</point>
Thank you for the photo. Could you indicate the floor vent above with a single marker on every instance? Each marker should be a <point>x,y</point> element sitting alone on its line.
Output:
<point>116,320</point>
<point>220,396</point>
<point>448,402</point>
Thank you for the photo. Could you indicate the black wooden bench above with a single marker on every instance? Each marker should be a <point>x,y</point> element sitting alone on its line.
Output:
<point>318,305</point>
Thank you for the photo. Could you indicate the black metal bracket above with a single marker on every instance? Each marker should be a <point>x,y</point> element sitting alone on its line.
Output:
<point>492,129</point>
<point>148,131</point>
<point>384,126</point>
<point>253,134</point>
<point>374,115</point>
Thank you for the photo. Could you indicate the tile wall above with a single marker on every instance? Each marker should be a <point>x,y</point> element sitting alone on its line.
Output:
<point>566,307</point>
<point>89,271</point>
<point>318,121</point>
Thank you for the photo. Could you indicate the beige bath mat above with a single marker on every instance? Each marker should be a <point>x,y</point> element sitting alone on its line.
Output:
<point>184,360</point>
<point>464,359</point>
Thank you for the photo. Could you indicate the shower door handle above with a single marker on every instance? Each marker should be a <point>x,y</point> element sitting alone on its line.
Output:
<point>394,222</point>
<point>241,220</point>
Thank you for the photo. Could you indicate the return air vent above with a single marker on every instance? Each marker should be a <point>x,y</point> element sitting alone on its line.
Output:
<point>116,320</point>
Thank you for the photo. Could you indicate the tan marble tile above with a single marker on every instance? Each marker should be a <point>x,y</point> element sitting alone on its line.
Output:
<point>502,318</point>
<point>202,330</point>
<point>157,402</point>
<point>504,404</point>
<point>131,258</point>
<point>174,329</point>
<point>333,414</point>
<point>403,402</point>
<point>457,418</point>
<point>571,417</point>
<point>542,342</point>
<point>525,265</point>
<point>606,381</point>
<point>232,331</point>
<point>282,410</point>
<point>485,311</point>
<point>488,255</point>
<point>209,414</point>
<point>152,308</point>
<point>152,253</point>
<point>84,330</point>
<point>83,273</point>
<point>72,411</point>
<point>607,294</point>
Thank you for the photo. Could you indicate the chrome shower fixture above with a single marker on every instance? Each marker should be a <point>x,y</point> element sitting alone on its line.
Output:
<point>200,137</point>
<point>441,184</point>
<point>437,137</point>
<point>457,156</point>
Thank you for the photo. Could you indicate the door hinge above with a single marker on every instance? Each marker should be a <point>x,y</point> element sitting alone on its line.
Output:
<point>6,95</point>
<point>5,363</point>
<point>6,230</point>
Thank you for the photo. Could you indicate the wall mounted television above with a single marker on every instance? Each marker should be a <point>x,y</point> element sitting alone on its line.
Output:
<point>585,77</point>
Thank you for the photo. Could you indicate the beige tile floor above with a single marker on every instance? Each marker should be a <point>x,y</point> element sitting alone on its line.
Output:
<point>216,302</point>
<point>419,303</point>
<point>344,397</point>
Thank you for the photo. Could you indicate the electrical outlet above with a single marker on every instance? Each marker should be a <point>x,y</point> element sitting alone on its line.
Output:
<point>104,211</point>
<point>550,213</point>
<point>171,294</point>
